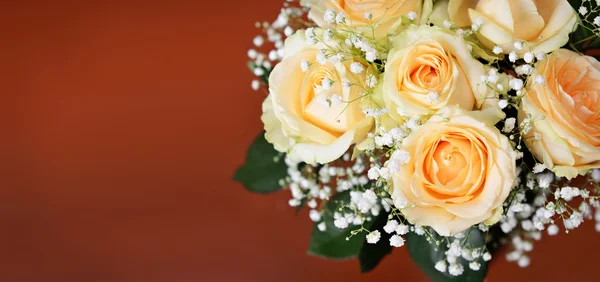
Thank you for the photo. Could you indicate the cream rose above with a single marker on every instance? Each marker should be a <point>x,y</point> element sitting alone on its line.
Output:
<point>386,13</point>
<point>542,26</point>
<point>460,172</point>
<point>308,113</point>
<point>564,113</point>
<point>430,68</point>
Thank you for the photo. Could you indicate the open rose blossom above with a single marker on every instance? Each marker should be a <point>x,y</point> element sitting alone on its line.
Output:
<point>541,25</point>
<point>461,170</point>
<point>565,113</point>
<point>436,141</point>
<point>386,13</point>
<point>429,68</point>
<point>308,113</point>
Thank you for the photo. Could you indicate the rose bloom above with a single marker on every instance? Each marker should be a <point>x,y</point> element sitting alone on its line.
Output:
<point>354,10</point>
<point>301,116</point>
<point>564,113</point>
<point>429,68</point>
<point>542,26</point>
<point>460,172</point>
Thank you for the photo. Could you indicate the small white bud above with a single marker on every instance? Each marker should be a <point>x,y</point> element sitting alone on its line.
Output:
<point>528,57</point>
<point>513,57</point>
<point>518,45</point>
<point>255,84</point>
<point>502,104</point>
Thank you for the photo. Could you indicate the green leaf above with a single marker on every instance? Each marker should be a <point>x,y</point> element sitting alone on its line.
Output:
<point>426,255</point>
<point>583,39</point>
<point>332,242</point>
<point>371,254</point>
<point>264,168</point>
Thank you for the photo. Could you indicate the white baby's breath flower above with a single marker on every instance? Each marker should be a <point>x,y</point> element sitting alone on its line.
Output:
<point>540,80</point>
<point>516,84</point>
<point>497,50</point>
<point>402,229</point>
<point>322,101</point>
<point>419,230</point>
<point>341,223</point>
<point>595,175</point>
<point>357,68</point>
<point>322,57</point>
<point>513,57</point>
<point>474,265</point>
<point>401,156</point>
<point>390,226</point>
<point>486,256</point>
<point>288,31</point>
<point>433,97</point>
<point>528,57</point>
<point>255,84</point>
<point>314,215</point>
<point>371,55</point>
<point>373,173</point>
<point>396,241</point>
<point>329,16</point>
<point>552,230</point>
<point>294,202</point>
<point>368,16</point>
<point>371,81</point>
<point>456,269</point>
<point>412,15</point>
<point>304,65</point>
<point>340,18</point>
<point>336,100</point>
<point>258,41</point>
<point>509,125</point>
<point>328,35</point>
<point>523,261</point>
<point>539,167</point>
<point>567,193</point>
<point>326,83</point>
<point>401,203</point>
<point>502,104</point>
<point>312,204</point>
<point>583,10</point>
<point>448,24</point>
<point>373,237</point>
<point>441,266</point>
<point>518,45</point>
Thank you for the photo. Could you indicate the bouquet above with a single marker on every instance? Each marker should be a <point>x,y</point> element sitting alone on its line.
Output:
<point>448,127</point>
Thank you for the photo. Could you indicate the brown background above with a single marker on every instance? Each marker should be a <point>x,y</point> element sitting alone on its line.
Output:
<point>122,123</point>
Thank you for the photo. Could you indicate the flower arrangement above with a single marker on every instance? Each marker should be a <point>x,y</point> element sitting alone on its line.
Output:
<point>450,127</point>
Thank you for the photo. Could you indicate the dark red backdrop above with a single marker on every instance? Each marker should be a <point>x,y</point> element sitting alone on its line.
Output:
<point>122,123</point>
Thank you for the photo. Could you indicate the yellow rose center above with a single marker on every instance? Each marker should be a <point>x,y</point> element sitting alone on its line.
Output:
<point>427,69</point>
<point>453,165</point>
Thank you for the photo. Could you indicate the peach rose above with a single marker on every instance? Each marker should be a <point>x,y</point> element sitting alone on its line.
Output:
<point>386,13</point>
<point>430,68</point>
<point>460,172</point>
<point>307,113</point>
<point>543,26</point>
<point>564,113</point>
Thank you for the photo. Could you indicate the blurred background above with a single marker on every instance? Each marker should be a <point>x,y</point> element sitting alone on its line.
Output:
<point>121,125</point>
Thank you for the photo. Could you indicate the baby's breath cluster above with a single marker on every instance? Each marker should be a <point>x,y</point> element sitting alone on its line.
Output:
<point>267,48</point>
<point>436,129</point>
